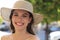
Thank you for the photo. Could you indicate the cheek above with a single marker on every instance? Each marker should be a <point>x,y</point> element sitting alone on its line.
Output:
<point>27,20</point>
<point>14,18</point>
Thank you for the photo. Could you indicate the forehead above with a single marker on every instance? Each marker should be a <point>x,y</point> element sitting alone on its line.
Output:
<point>21,11</point>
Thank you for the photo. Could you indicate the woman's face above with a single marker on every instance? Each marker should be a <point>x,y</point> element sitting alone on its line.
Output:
<point>20,19</point>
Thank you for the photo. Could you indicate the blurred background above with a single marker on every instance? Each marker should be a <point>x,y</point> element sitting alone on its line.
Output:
<point>49,28</point>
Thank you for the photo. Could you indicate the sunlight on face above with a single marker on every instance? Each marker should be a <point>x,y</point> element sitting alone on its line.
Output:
<point>20,19</point>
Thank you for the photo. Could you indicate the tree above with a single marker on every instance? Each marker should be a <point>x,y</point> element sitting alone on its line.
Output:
<point>49,8</point>
<point>1,20</point>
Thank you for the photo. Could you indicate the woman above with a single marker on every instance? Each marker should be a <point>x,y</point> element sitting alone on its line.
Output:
<point>22,19</point>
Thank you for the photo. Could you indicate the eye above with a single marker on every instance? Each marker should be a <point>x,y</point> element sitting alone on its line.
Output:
<point>25,16</point>
<point>15,14</point>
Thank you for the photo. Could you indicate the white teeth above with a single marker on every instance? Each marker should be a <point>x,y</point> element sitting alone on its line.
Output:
<point>20,24</point>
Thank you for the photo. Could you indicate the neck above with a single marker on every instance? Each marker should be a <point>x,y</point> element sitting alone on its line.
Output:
<point>20,32</point>
<point>21,35</point>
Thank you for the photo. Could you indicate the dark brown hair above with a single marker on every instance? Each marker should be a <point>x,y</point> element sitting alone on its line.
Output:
<point>29,27</point>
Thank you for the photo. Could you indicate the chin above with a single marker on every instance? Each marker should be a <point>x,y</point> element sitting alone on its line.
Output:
<point>19,27</point>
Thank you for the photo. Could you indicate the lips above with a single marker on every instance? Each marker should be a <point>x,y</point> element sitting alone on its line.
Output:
<point>19,24</point>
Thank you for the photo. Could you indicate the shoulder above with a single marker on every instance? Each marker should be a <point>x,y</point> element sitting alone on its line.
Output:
<point>6,37</point>
<point>34,37</point>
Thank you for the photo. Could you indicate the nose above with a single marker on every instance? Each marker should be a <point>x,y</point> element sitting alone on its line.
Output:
<point>19,18</point>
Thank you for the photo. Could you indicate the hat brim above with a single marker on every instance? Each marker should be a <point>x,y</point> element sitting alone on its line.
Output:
<point>5,13</point>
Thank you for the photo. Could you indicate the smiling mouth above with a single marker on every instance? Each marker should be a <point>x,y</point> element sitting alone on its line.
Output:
<point>19,24</point>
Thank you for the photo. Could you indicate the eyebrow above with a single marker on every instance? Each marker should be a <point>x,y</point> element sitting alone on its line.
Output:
<point>15,12</point>
<point>26,13</point>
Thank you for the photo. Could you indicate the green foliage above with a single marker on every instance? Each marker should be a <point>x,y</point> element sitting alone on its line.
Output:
<point>48,8</point>
<point>1,20</point>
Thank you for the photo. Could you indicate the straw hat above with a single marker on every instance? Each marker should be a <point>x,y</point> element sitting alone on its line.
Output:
<point>24,5</point>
